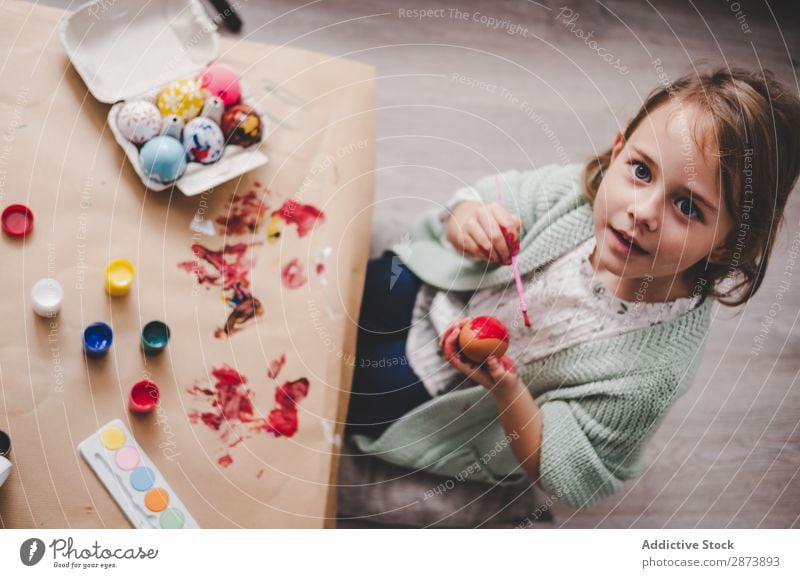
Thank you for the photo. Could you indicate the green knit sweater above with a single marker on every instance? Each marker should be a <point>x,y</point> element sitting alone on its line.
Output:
<point>601,401</point>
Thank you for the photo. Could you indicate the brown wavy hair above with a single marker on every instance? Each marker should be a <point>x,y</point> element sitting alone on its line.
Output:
<point>754,124</point>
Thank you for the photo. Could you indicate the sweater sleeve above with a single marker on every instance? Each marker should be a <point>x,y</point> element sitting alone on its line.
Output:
<point>592,444</point>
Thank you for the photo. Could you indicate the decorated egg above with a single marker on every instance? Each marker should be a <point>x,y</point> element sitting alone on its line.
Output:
<point>202,137</point>
<point>139,121</point>
<point>482,337</point>
<point>242,126</point>
<point>222,82</point>
<point>163,158</point>
<point>183,97</point>
<point>203,140</point>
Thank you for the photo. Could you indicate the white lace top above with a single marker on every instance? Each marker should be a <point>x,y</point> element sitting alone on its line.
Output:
<point>567,305</point>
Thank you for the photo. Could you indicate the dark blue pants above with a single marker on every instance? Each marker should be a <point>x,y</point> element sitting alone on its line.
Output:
<point>384,385</point>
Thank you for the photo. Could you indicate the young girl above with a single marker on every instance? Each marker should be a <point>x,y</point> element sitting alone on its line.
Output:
<point>620,262</point>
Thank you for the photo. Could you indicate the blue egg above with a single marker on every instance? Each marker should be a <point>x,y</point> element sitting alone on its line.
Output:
<point>163,159</point>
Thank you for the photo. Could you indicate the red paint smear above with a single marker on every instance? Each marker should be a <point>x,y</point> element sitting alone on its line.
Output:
<point>224,268</point>
<point>245,214</point>
<point>228,268</point>
<point>282,420</point>
<point>259,474</point>
<point>304,216</point>
<point>245,308</point>
<point>320,268</point>
<point>232,402</point>
<point>511,240</point>
<point>275,366</point>
<point>486,327</point>
<point>293,275</point>
<point>232,412</point>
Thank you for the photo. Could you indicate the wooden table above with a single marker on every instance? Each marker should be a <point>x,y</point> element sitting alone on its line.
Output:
<point>58,157</point>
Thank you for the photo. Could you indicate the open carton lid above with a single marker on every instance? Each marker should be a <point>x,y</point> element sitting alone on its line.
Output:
<point>125,48</point>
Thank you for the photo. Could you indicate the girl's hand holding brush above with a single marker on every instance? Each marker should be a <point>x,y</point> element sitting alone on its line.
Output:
<point>484,231</point>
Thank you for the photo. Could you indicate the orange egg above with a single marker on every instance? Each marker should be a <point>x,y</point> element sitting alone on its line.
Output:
<point>483,336</point>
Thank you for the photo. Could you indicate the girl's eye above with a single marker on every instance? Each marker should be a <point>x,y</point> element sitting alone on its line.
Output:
<point>694,214</point>
<point>640,171</point>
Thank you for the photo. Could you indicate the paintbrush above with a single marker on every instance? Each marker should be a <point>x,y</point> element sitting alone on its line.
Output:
<point>523,307</point>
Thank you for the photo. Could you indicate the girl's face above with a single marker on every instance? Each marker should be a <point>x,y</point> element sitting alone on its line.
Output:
<point>660,191</point>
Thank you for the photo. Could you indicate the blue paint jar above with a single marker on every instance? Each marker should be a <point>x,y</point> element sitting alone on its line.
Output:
<point>97,339</point>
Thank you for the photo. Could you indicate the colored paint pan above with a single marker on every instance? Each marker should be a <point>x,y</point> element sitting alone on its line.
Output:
<point>119,277</point>
<point>144,397</point>
<point>97,339</point>
<point>155,336</point>
<point>17,220</point>
<point>133,480</point>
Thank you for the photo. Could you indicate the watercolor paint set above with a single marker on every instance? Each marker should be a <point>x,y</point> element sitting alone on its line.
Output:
<point>133,480</point>
<point>182,120</point>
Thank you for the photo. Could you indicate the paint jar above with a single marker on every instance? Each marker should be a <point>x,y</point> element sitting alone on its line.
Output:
<point>97,339</point>
<point>5,465</point>
<point>144,396</point>
<point>119,277</point>
<point>155,336</point>
<point>46,296</point>
<point>17,220</point>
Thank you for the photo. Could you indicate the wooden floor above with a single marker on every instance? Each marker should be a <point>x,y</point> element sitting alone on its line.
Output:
<point>461,96</point>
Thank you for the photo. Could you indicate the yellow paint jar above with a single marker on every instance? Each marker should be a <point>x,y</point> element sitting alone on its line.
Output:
<point>119,277</point>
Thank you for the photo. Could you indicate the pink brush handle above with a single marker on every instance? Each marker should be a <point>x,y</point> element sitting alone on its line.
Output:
<point>517,279</point>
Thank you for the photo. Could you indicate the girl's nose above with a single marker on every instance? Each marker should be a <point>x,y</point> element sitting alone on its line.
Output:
<point>645,210</point>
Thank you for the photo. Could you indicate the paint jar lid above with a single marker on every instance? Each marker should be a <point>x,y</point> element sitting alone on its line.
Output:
<point>5,444</point>
<point>17,220</point>
<point>97,338</point>
<point>47,295</point>
<point>144,396</point>
<point>119,277</point>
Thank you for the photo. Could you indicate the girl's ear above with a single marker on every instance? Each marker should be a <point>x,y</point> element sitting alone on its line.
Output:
<point>619,142</point>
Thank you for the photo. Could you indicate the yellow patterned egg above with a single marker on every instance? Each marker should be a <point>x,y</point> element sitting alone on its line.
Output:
<point>183,97</point>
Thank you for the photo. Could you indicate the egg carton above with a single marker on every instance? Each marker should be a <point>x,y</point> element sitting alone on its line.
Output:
<point>128,50</point>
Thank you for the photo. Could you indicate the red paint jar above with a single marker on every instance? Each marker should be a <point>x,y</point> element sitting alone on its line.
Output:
<point>144,397</point>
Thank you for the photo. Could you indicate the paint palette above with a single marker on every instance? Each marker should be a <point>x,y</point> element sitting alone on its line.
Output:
<point>133,480</point>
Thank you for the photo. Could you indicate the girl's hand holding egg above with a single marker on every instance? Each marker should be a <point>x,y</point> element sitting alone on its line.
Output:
<point>484,231</point>
<point>481,338</point>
